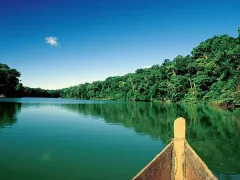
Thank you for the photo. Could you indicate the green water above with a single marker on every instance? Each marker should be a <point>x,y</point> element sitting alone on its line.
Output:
<point>57,139</point>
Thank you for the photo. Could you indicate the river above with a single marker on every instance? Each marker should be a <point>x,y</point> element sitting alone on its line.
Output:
<point>61,139</point>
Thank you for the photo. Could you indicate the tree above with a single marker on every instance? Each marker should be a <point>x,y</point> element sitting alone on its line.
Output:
<point>210,74</point>
<point>8,80</point>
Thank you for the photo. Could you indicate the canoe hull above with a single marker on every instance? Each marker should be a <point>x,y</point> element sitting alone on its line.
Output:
<point>159,168</point>
<point>162,167</point>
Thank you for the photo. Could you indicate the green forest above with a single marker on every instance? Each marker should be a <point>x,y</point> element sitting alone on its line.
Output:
<point>211,74</point>
<point>11,86</point>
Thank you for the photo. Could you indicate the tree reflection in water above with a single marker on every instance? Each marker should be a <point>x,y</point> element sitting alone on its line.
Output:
<point>213,133</point>
<point>8,113</point>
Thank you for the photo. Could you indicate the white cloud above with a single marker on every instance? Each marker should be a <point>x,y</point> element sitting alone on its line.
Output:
<point>53,41</point>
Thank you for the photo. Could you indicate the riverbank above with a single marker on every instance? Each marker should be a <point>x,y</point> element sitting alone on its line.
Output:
<point>225,104</point>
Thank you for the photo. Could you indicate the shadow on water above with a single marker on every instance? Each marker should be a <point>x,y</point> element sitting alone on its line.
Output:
<point>8,113</point>
<point>213,133</point>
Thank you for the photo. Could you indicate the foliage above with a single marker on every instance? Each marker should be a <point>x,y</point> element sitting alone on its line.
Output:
<point>9,82</point>
<point>38,92</point>
<point>210,74</point>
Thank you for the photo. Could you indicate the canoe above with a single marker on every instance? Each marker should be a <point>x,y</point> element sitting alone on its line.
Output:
<point>177,161</point>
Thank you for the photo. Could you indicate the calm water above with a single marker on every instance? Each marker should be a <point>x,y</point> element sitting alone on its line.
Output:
<point>59,139</point>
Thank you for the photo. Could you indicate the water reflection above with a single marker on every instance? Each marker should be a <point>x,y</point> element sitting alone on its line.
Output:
<point>213,133</point>
<point>8,113</point>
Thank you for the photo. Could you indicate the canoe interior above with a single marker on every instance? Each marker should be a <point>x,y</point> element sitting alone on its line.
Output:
<point>162,167</point>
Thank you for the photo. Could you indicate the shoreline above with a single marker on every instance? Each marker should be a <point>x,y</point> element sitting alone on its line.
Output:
<point>223,104</point>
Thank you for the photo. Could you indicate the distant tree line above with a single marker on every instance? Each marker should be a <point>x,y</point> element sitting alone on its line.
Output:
<point>38,92</point>
<point>210,74</point>
<point>10,85</point>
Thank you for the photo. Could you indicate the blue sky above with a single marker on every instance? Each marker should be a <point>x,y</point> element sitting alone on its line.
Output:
<point>59,43</point>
